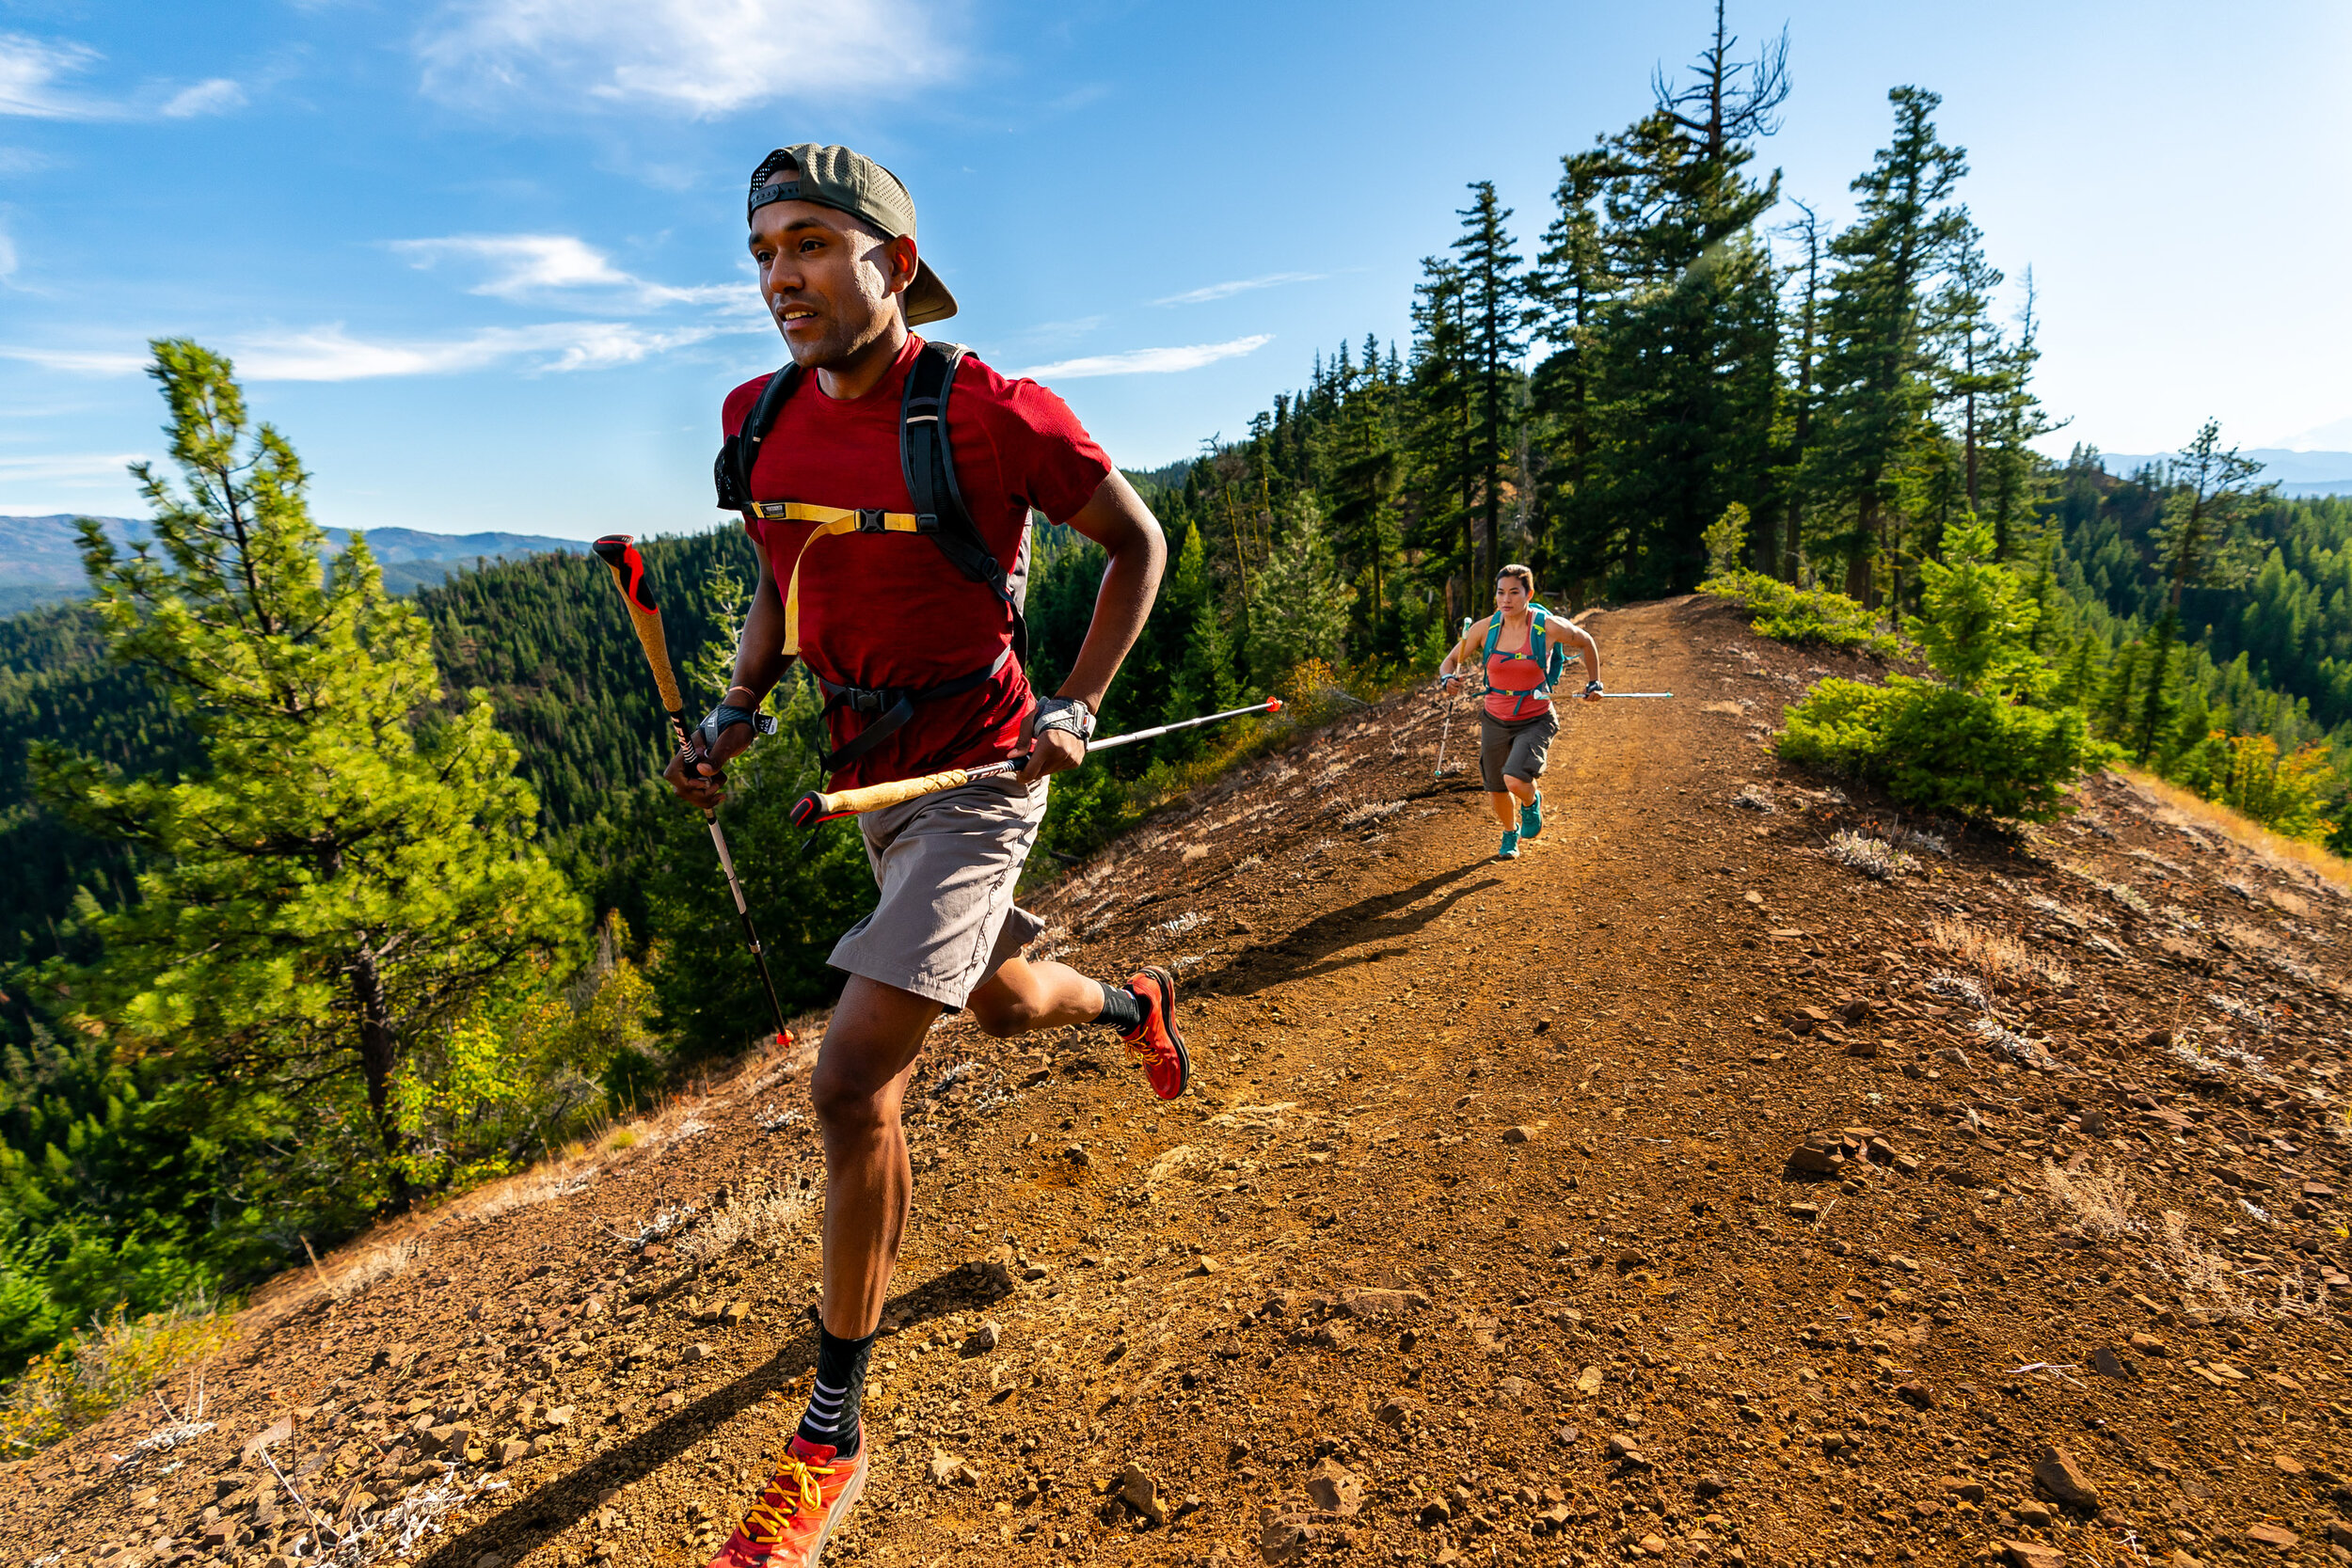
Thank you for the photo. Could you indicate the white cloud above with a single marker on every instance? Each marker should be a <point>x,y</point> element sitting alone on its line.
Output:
<point>1240,286</point>
<point>330,354</point>
<point>1147,361</point>
<point>30,72</point>
<point>702,57</point>
<point>525,265</point>
<point>83,361</point>
<point>68,465</point>
<point>214,97</point>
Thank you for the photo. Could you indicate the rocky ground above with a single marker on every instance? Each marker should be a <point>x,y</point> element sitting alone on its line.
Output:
<point>1742,1175</point>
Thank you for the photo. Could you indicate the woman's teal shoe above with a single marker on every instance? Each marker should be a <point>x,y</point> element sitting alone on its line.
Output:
<point>1510,850</point>
<point>1531,818</point>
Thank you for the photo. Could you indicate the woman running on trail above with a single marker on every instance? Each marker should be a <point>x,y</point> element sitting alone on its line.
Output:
<point>1518,643</point>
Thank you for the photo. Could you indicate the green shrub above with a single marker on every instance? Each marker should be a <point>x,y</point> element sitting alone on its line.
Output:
<point>1787,613</point>
<point>111,1363</point>
<point>1939,749</point>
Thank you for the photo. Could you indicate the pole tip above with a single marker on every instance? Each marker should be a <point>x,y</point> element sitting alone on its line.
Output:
<point>1275,706</point>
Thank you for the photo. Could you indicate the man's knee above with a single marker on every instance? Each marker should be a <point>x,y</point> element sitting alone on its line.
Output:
<point>845,1103</point>
<point>1002,1016</point>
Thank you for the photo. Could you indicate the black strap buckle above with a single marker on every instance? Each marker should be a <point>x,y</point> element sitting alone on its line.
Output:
<point>872,519</point>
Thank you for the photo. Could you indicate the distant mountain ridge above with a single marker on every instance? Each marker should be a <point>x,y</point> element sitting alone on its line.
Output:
<point>41,560</point>
<point>2298,473</point>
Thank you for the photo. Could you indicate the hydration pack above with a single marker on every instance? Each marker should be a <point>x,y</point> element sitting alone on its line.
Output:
<point>927,462</point>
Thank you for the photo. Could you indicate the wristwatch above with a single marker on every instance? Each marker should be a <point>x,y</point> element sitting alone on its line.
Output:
<point>1067,713</point>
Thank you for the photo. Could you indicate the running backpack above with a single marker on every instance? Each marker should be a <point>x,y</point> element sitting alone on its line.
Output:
<point>1548,658</point>
<point>927,462</point>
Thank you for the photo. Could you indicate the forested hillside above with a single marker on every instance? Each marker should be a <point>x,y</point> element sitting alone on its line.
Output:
<point>1684,373</point>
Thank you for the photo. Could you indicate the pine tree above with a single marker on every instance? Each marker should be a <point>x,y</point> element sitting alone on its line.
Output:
<point>2196,548</point>
<point>1442,478</point>
<point>1674,378</point>
<point>350,865</point>
<point>1494,299</point>
<point>1875,391</point>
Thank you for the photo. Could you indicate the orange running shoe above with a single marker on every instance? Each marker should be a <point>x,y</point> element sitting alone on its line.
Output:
<point>801,1504</point>
<point>1159,1045</point>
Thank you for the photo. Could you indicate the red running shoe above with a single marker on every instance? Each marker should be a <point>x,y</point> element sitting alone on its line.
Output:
<point>1159,1045</point>
<point>802,1502</point>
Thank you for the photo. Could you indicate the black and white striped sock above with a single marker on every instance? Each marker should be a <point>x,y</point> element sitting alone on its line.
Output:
<point>832,1405</point>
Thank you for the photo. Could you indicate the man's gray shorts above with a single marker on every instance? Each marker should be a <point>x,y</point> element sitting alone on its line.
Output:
<point>1519,750</point>
<point>947,865</point>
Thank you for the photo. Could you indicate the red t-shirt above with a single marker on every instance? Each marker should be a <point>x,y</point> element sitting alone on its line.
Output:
<point>887,609</point>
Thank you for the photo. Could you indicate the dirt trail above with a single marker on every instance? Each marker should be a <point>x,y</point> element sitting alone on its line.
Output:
<point>1672,1191</point>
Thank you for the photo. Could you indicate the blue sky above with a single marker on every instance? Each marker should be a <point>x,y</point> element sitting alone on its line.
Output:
<point>483,260</point>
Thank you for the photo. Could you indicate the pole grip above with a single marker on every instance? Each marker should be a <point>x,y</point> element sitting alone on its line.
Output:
<point>644,616</point>
<point>819,806</point>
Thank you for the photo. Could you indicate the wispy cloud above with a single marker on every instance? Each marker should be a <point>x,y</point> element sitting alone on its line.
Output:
<point>1148,361</point>
<point>53,467</point>
<point>217,96</point>
<point>81,361</point>
<point>526,266</point>
<point>7,257</point>
<point>1240,286</point>
<point>331,353</point>
<point>33,72</point>
<point>701,57</point>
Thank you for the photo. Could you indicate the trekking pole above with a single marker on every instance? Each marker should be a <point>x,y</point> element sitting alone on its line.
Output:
<point>1453,700</point>
<point>819,806</point>
<point>628,576</point>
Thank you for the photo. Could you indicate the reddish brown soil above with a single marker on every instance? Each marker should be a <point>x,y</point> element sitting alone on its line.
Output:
<point>1479,1238</point>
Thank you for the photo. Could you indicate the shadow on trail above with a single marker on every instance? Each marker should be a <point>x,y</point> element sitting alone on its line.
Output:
<point>532,1520</point>
<point>1328,942</point>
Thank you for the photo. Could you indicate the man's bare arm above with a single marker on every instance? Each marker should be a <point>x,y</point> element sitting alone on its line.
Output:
<point>760,661</point>
<point>1116,518</point>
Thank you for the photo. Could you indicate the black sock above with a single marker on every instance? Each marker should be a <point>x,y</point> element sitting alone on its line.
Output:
<point>1122,1009</point>
<point>832,1405</point>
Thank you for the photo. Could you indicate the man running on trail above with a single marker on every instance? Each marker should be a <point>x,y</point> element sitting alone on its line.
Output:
<point>1521,645</point>
<point>881,550</point>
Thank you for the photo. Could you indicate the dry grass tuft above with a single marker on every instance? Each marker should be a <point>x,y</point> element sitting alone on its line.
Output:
<point>376,1265</point>
<point>2185,808</point>
<point>540,1184</point>
<point>2205,1278</point>
<point>746,1220</point>
<point>1995,955</point>
<point>2101,1201</point>
<point>1872,857</point>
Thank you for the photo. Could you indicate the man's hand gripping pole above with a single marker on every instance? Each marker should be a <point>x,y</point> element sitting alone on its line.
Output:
<point>823,806</point>
<point>644,616</point>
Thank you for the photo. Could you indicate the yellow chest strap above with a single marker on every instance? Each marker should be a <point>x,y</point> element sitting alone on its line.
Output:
<point>830,520</point>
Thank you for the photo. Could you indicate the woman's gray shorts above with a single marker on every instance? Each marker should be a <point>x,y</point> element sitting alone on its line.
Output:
<point>1518,749</point>
<point>947,865</point>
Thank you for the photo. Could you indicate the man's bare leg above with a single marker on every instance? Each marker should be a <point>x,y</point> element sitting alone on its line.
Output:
<point>857,1089</point>
<point>1022,996</point>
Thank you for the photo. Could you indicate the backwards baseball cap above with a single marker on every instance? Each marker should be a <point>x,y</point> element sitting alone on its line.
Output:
<point>853,184</point>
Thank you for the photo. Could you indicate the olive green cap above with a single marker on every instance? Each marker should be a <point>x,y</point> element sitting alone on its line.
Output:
<point>853,184</point>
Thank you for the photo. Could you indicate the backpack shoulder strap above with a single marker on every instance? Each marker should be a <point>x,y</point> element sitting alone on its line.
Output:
<point>926,460</point>
<point>1494,635</point>
<point>732,472</point>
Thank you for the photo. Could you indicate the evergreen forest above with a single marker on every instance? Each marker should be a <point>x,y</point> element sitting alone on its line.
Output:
<point>323,902</point>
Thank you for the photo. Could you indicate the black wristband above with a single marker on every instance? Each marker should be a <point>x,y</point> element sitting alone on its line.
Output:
<point>726,717</point>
